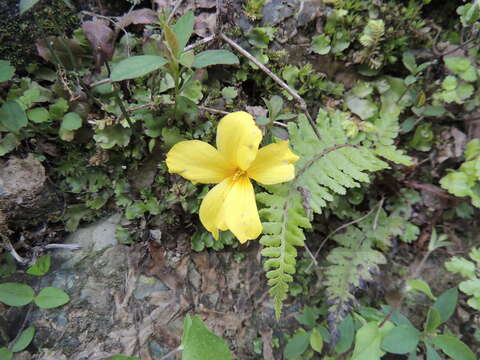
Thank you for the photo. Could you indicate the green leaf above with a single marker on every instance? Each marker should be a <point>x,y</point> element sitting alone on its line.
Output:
<point>6,70</point>
<point>321,44</point>
<point>423,138</point>
<point>432,354</point>
<point>462,67</point>
<point>214,57</point>
<point>183,29</point>
<point>41,267</point>
<point>422,286</point>
<point>362,89</point>
<point>297,344</point>
<point>187,58</point>
<point>38,115</point>
<point>364,108</point>
<point>260,37</point>
<point>464,91</point>
<point>446,303</point>
<point>26,5</point>
<point>172,41</point>
<point>229,93</point>
<point>57,109</point>
<point>409,62</point>
<point>453,347</point>
<point>316,341</point>
<point>473,149</point>
<point>113,135</point>
<point>470,287</point>
<point>410,79</point>
<point>16,294</point>
<point>449,83</point>
<point>24,340</point>
<point>74,215</point>
<point>71,121</point>
<point>122,357</point>
<point>5,354</point>
<point>433,111</point>
<point>274,106</point>
<point>136,66</point>
<point>475,255</point>
<point>8,143</point>
<point>433,320</point>
<point>51,297</point>
<point>368,340</point>
<point>198,343</point>
<point>347,332</point>
<point>12,116</point>
<point>171,136</point>
<point>185,105</point>
<point>401,340</point>
<point>308,317</point>
<point>458,265</point>
<point>456,183</point>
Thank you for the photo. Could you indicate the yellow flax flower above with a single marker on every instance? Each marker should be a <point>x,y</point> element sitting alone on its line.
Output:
<point>230,205</point>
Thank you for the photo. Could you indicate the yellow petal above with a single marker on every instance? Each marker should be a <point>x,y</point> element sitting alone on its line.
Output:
<point>212,207</point>
<point>273,164</point>
<point>238,138</point>
<point>198,161</point>
<point>240,210</point>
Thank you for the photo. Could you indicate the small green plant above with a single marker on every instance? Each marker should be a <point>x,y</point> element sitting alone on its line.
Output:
<point>471,271</point>
<point>370,333</point>
<point>198,343</point>
<point>466,180</point>
<point>18,294</point>
<point>253,9</point>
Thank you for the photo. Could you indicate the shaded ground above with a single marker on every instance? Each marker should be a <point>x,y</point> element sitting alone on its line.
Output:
<point>132,300</point>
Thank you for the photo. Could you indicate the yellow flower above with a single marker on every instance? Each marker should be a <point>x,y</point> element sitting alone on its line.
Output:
<point>230,205</point>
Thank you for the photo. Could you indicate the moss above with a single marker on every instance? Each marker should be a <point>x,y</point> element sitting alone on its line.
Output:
<point>18,34</point>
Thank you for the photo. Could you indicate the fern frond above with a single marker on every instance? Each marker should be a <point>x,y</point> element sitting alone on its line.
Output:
<point>372,33</point>
<point>326,167</point>
<point>283,230</point>
<point>387,124</point>
<point>351,267</point>
<point>353,263</point>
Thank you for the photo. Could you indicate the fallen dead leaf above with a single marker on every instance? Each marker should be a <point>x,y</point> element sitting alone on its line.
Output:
<point>140,16</point>
<point>205,4</point>
<point>267,344</point>
<point>101,37</point>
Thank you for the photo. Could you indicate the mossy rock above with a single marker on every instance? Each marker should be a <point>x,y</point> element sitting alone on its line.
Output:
<point>18,34</point>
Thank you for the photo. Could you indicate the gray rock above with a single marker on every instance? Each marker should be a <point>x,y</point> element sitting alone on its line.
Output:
<point>309,10</point>
<point>147,285</point>
<point>93,238</point>
<point>276,11</point>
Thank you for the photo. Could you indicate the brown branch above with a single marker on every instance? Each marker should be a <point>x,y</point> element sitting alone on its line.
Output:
<point>431,189</point>
<point>151,105</point>
<point>280,82</point>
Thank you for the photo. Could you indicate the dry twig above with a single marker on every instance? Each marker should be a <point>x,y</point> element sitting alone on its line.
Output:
<point>283,84</point>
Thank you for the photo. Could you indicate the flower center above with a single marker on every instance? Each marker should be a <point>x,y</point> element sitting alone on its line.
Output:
<point>238,174</point>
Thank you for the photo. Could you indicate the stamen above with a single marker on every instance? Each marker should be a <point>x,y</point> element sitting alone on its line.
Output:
<point>239,173</point>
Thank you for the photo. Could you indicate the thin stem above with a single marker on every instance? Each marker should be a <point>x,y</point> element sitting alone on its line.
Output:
<point>173,352</point>
<point>9,247</point>
<point>101,82</point>
<point>119,102</point>
<point>204,108</point>
<point>63,246</point>
<point>283,84</point>
<point>200,42</point>
<point>343,227</point>
<point>25,320</point>
<point>174,10</point>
